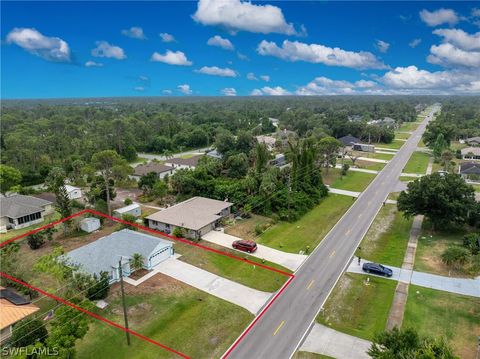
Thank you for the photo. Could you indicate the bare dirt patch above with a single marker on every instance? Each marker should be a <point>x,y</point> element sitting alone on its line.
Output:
<point>245,228</point>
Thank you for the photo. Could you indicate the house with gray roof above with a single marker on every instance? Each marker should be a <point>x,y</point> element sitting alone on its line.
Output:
<point>19,211</point>
<point>470,153</point>
<point>185,163</point>
<point>198,215</point>
<point>473,141</point>
<point>105,254</point>
<point>470,171</point>
<point>159,169</point>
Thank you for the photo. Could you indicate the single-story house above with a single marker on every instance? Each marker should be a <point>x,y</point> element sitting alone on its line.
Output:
<point>268,141</point>
<point>214,154</point>
<point>133,209</point>
<point>89,224</point>
<point>186,163</point>
<point>73,192</point>
<point>473,141</point>
<point>13,309</point>
<point>105,254</point>
<point>198,215</point>
<point>471,153</point>
<point>349,140</point>
<point>386,121</point>
<point>159,169</point>
<point>19,211</point>
<point>274,121</point>
<point>279,160</point>
<point>363,147</point>
<point>470,171</point>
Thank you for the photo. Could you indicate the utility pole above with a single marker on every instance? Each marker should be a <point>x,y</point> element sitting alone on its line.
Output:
<point>120,270</point>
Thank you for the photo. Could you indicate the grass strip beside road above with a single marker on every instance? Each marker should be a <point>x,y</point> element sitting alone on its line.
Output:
<point>442,314</point>
<point>358,308</point>
<point>387,238</point>
<point>417,163</point>
<point>309,229</point>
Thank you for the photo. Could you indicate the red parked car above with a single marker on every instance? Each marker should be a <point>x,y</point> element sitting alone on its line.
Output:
<point>245,245</point>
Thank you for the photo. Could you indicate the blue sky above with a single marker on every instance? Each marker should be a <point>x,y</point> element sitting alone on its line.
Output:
<point>92,49</point>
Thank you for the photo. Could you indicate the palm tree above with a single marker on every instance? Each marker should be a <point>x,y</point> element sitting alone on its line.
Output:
<point>137,261</point>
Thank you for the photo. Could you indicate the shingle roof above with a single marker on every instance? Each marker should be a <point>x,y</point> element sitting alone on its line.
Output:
<point>474,150</point>
<point>194,213</point>
<point>12,313</point>
<point>470,168</point>
<point>104,253</point>
<point>475,139</point>
<point>158,168</point>
<point>191,161</point>
<point>349,140</point>
<point>19,205</point>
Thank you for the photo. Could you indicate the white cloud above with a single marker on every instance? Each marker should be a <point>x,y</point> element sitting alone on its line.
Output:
<point>93,64</point>
<point>476,12</point>
<point>298,51</point>
<point>414,43</point>
<point>144,78</point>
<point>167,92</point>
<point>325,86</point>
<point>217,71</point>
<point>220,42</point>
<point>460,38</point>
<point>172,58</point>
<point>48,48</point>
<point>414,80</point>
<point>139,88</point>
<point>449,55</point>
<point>251,76</point>
<point>265,78</point>
<point>229,91</point>
<point>134,32</point>
<point>236,15</point>
<point>270,91</point>
<point>185,89</point>
<point>166,37</point>
<point>242,56</point>
<point>382,46</point>
<point>104,49</point>
<point>439,17</point>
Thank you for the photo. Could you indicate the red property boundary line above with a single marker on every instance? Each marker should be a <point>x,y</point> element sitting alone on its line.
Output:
<point>109,322</point>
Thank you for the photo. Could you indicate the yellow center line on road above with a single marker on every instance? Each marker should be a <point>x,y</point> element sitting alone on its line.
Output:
<point>332,254</point>
<point>310,285</point>
<point>278,328</point>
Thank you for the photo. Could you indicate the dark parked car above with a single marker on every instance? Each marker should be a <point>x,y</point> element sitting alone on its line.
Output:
<point>376,268</point>
<point>245,245</point>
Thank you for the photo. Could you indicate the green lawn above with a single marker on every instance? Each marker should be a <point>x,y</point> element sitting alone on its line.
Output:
<point>353,181</point>
<point>308,230</point>
<point>402,135</point>
<point>421,143</point>
<point>356,308</point>
<point>17,232</point>
<point>393,145</point>
<point>387,237</point>
<point>308,355</point>
<point>437,313</point>
<point>417,163</point>
<point>181,317</point>
<point>244,273</point>
<point>408,126</point>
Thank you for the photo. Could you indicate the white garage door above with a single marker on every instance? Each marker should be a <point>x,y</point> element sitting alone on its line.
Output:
<point>160,256</point>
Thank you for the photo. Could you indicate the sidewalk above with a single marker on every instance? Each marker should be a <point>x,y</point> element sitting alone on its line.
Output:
<point>463,286</point>
<point>326,341</point>
<point>356,169</point>
<point>372,159</point>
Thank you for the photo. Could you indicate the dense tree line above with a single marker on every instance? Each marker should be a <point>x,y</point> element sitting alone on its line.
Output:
<point>37,136</point>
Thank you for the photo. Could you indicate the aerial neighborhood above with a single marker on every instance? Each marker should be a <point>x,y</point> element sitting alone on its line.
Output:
<point>240,180</point>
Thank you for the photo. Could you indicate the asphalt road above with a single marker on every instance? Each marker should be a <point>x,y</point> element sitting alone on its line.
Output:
<point>282,328</point>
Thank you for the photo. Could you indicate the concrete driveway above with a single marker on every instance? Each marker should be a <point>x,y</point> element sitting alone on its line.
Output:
<point>233,292</point>
<point>288,260</point>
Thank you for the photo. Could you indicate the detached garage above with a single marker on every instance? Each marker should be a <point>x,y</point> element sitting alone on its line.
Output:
<point>104,254</point>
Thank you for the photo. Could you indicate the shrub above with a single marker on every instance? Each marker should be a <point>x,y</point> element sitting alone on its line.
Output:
<point>77,204</point>
<point>101,287</point>
<point>455,256</point>
<point>179,232</point>
<point>345,169</point>
<point>129,218</point>
<point>35,240</point>
<point>127,201</point>
<point>258,229</point>
<point>27,332</point>
<point>472,242</point>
